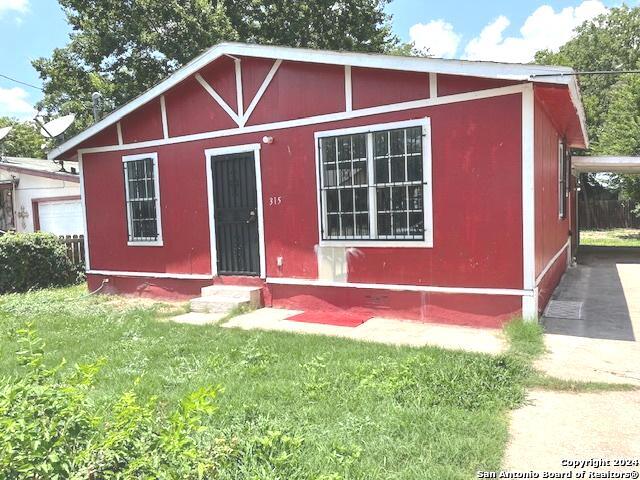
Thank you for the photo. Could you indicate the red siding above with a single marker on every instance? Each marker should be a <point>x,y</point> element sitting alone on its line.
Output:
<point>185,222</point>
<point>550,280</point>
<point>254,71</point>
<point>190,109</point>
<point>222,77</point>
<point>301,90</point>
<point>459,309</point>
<point>552,232</point>
<point>476,203</point>
<point>108,136</point>
<point>144,124</point>
<point>372,87</point>
<point>452,84</point>
<point>170,288</point>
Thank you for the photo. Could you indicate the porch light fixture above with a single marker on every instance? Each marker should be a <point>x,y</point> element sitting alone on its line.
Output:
<point>268,140</point>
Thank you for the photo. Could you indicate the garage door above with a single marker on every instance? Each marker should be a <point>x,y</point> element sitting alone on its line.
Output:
<point>61,218</point>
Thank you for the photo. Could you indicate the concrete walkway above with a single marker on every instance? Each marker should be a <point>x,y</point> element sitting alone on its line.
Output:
<point>379,330</point>
<point>591,360</point>
<point>555,426</point>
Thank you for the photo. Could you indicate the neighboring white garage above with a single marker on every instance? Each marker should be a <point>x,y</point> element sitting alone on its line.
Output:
<point>61,217</point>
<point>40,196</point>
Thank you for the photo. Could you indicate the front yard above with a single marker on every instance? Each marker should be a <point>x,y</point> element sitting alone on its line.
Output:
<point>355,410</point>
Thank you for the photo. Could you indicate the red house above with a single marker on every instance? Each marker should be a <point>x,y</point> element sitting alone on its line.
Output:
<point>423,188</point>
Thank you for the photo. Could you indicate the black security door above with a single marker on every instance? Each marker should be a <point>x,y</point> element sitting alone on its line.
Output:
<point>236,214</point>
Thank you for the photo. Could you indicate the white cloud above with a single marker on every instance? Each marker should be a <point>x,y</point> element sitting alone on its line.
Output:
<point>544,28</point>
<point>19,6</point>
<point>438,36</point>
<point>14,103</point>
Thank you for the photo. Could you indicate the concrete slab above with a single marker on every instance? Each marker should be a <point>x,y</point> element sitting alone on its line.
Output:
<point>607,282</point>
<point>196,318</point>
<point>591,360</point>
<point>555,426</point>
<point>404,332</point>
<point>379,330</point>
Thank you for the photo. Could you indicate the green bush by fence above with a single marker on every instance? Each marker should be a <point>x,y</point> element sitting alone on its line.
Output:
<point>32,261</point>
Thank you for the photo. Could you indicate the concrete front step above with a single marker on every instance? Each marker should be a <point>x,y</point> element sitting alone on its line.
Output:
<point>224,298</point>
<point>215,304</point>
<point>253,295</point>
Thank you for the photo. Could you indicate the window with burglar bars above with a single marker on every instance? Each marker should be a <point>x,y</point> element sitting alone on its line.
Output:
<point>373,185</point>
<point>563,191</point>
<point>142,199</point>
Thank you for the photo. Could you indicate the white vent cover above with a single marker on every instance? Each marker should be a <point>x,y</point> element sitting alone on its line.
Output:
<point>564,309</point>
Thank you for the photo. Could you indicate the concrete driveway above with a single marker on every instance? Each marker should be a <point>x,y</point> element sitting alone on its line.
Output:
<point>607,283</point>
<point>604,344</point>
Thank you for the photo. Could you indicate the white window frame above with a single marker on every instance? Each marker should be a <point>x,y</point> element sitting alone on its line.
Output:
<point>562,179</point>
<point>156,180</point>
<point>427,242</point>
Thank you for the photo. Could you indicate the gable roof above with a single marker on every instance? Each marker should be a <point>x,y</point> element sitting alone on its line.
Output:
<point>39,167</point>
<point>504,71</point>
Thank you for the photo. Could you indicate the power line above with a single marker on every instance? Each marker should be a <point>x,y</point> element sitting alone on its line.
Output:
<point>21,82</point>
<point>595,72</point>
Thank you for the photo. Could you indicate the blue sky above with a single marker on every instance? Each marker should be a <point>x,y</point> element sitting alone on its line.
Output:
<point>501,30</point>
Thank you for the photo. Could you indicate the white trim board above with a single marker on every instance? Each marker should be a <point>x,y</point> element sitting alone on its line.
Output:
<point>496,70</point>
<point>540,277</point>
<point>529,304</point>
<point>400,287</point>
<point>180,276</point>
<point>213,152</point>
<point>83,199</point>
<point>605,164</point>
<point>165,121</point>
<point>327,118</point>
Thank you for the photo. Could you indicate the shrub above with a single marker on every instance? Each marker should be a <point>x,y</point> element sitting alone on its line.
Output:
<point>48,428</point>
<point>32,261</point>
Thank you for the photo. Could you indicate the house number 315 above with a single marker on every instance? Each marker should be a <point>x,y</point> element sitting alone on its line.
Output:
<point>273,201</point>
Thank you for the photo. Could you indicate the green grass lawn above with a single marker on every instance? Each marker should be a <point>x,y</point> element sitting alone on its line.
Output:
<point>617,237</point>
<point>363,411</point>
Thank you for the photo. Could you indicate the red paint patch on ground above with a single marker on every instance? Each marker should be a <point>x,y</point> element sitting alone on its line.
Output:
<point>340,319</point>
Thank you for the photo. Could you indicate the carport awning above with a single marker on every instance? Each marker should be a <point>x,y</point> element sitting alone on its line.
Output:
<point>605,164</point>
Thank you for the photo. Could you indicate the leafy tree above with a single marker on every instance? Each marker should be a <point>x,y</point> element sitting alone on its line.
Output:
<point>24,140</point>
<point>121,48</point>
<point>612,102</point>
<point>409,49</point>
<point>610,41</point>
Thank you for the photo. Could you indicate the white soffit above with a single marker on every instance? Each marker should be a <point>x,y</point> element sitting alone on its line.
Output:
<point>504,71</point>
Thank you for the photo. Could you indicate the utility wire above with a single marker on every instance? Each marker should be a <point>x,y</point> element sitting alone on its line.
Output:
<point>595,72</point>
<point>22,83</point>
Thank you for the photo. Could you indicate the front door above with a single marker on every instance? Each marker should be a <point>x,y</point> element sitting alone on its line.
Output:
<point>235,206</point>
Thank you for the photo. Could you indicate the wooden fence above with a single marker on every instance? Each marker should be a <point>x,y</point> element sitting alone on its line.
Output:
<point>604,214</point>
<point>75,248</point>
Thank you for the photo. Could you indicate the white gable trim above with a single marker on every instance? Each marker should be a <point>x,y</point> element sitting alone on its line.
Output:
<point>211,91</point>
<point>505,71</point>
<point>326,118</point>
<point>260,92</point>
